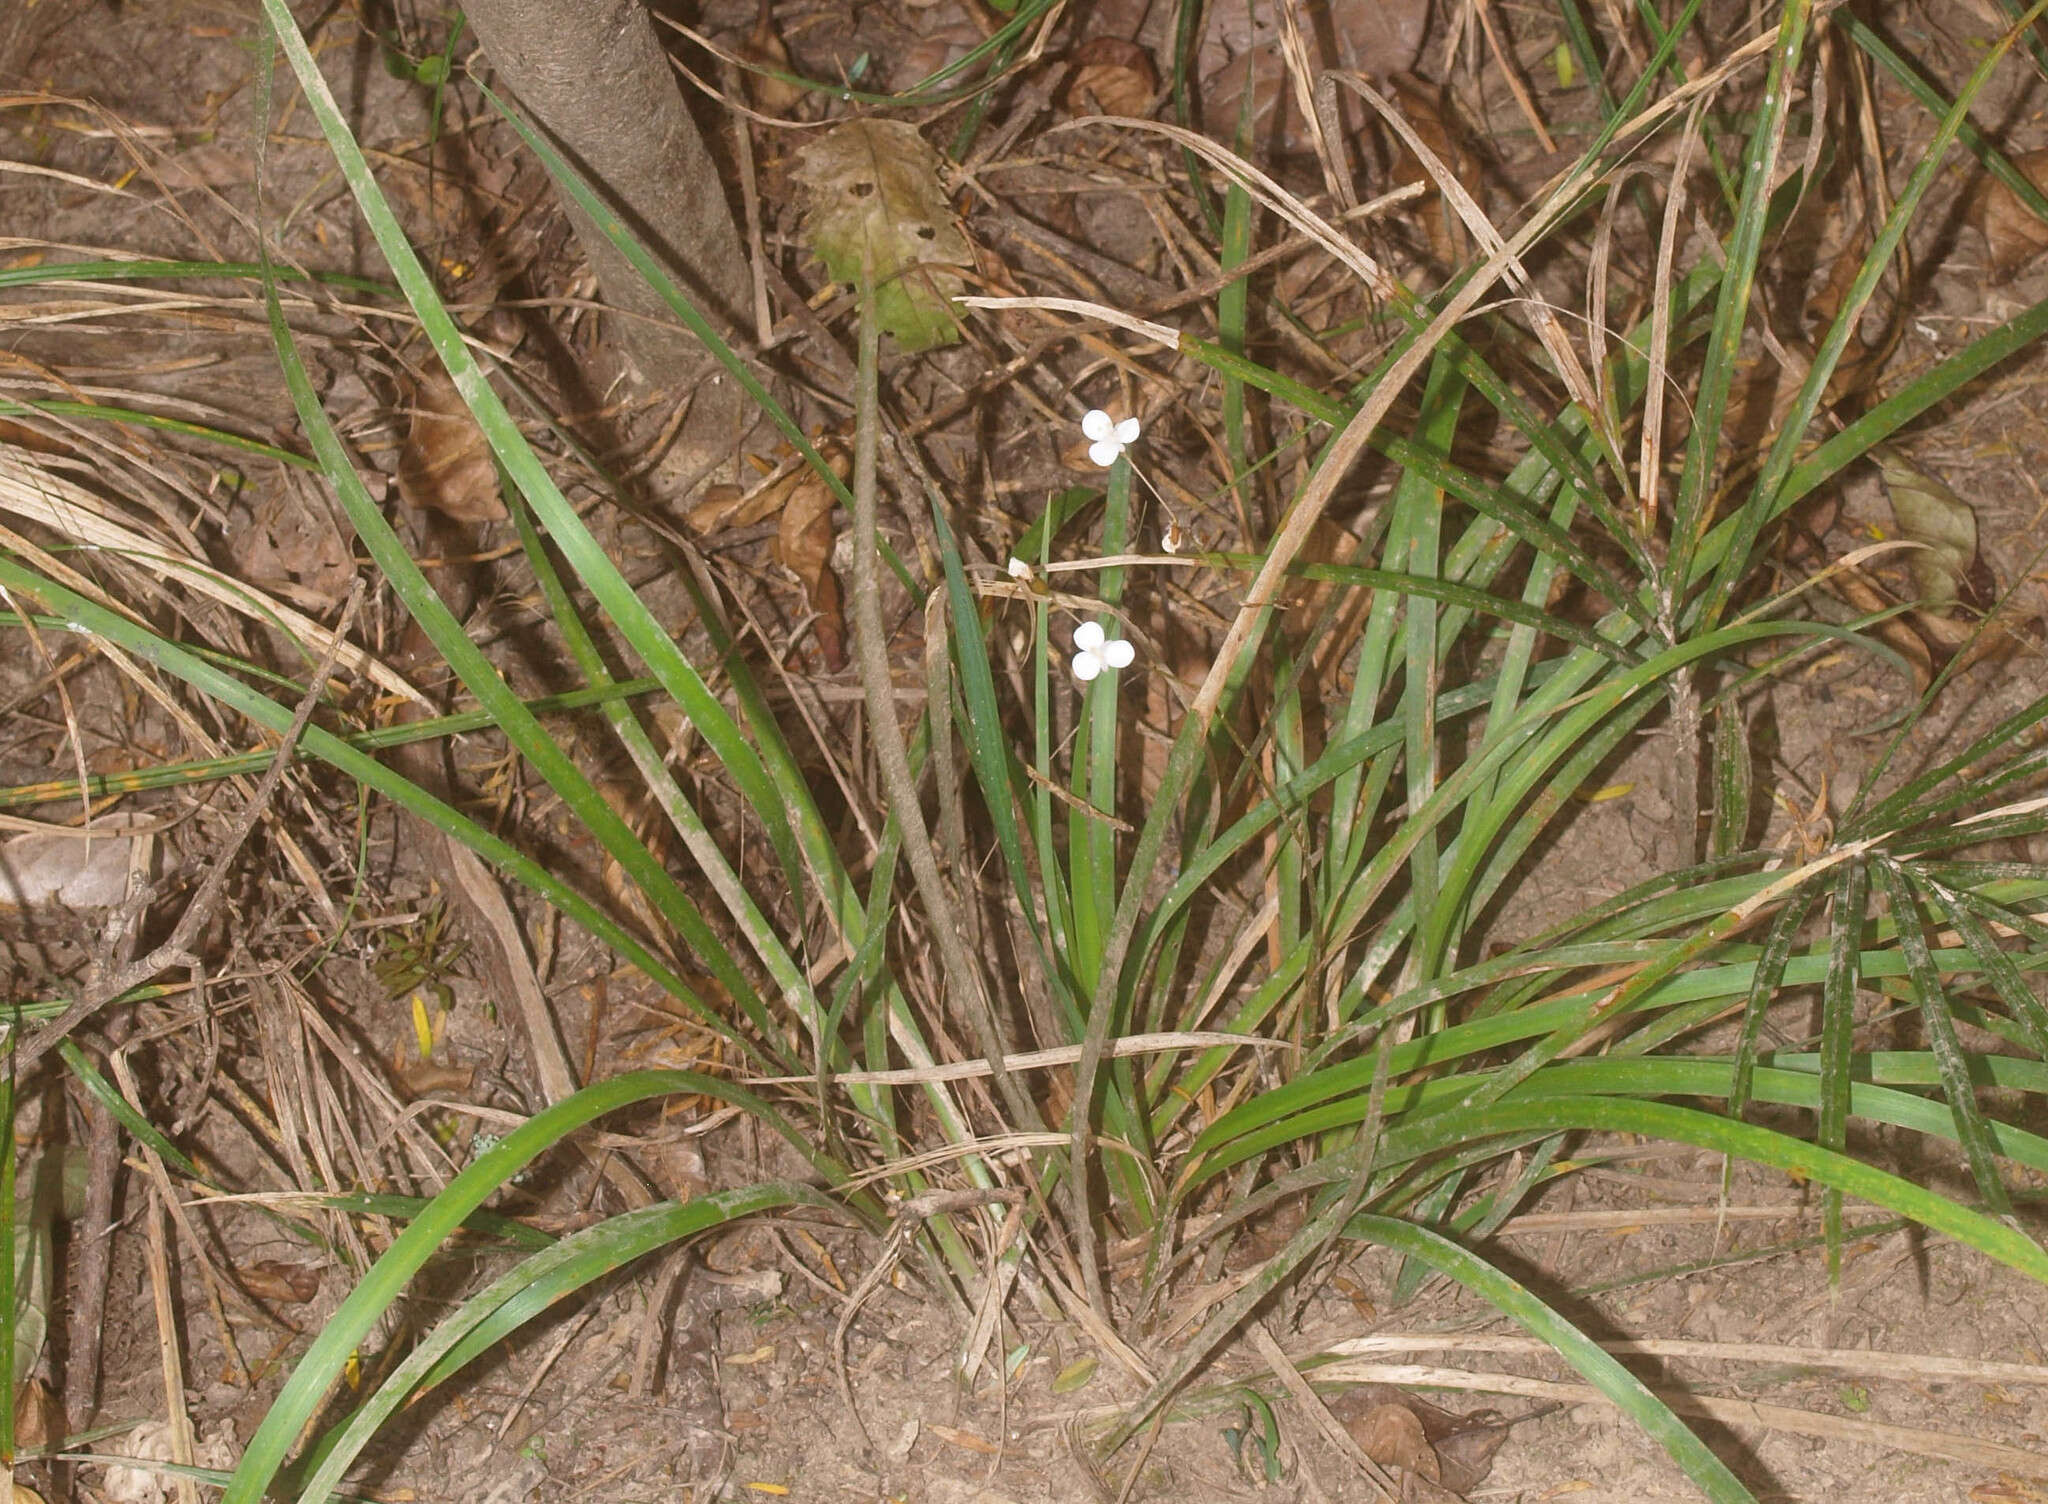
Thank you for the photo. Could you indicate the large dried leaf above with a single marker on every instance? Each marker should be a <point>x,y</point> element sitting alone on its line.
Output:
<point>1391,1435</point>
<point>2013,233</point>
<point>446,466</point>
<point>1453,1452</point>
<point>872,194</point>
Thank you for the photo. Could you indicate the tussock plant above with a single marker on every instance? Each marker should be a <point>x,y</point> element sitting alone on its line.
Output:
<point>1157,960</point>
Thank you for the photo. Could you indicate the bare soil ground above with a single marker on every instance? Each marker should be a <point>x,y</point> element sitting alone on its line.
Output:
<point>126,130</point>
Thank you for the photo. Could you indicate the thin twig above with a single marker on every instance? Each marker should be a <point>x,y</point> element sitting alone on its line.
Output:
<point>92,1241</point>
<point>175,1413</point>
<point>167,1198</point>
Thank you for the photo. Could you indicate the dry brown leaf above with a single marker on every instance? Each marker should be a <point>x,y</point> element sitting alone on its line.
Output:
<point>446,466</point>
<point>1462,1446</point>
<point>715,508</point>
<point>280,1283</point>
<point>728,506</point>
<point>1111,77</point>
<point>764,46</point>
<point>1391,1435</point>
<point>2013,234</point>
<point>289,543</point>
<point>803,545</point>
<point>37,1418</point>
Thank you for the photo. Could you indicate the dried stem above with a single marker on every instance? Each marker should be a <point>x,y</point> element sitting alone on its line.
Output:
<point>871,654</point>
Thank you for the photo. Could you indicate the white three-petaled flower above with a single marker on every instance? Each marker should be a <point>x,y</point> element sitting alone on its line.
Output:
<point>1108,439</point>
<point>1095,650</point>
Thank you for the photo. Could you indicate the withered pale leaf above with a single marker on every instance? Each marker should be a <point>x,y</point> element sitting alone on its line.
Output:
<point>872,193</point>
<point>1930,514</point>
<point>446,465</point>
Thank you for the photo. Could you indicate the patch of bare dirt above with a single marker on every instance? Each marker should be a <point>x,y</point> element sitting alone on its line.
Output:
<point>349,1037</point>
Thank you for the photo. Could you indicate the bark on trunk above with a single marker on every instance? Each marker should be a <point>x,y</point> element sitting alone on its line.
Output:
<point>592,74</point>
